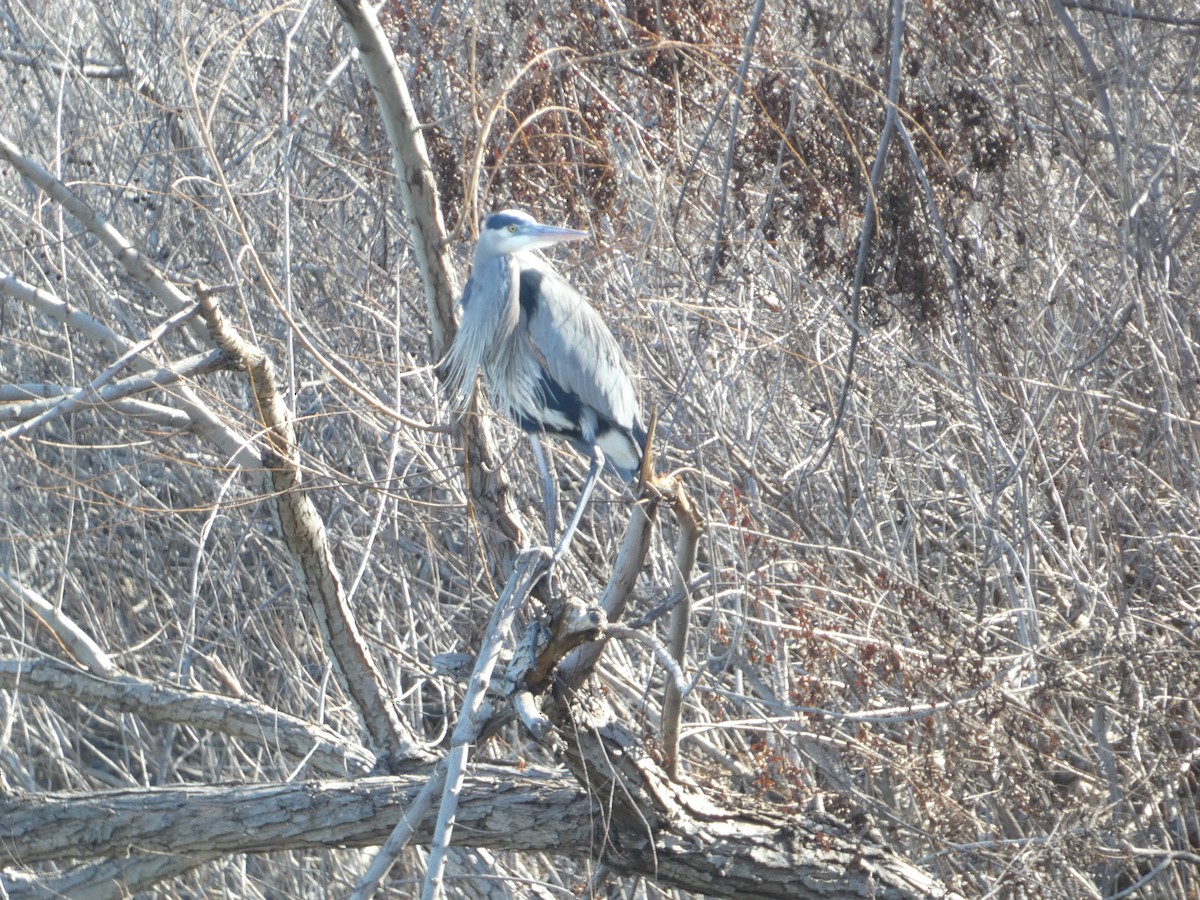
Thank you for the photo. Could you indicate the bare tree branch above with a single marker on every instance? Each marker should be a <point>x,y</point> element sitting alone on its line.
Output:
<point>417,187</point>
<point>66,401</point>
<point>448,776</point>
<point>105,879</point>
<point>77,642</point>
<point>653,818</point>
<point>500,808</point>
<point>308,542</point>
<point>205,422</point>
<point>628,565</point>
<point>328,753</point>
<point>91,391</point>
<point>267,818</point>
<point>490,490</point>
<point>866,234</point>
<point>691,527</point>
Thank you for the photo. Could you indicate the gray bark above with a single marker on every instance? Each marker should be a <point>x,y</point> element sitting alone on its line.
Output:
<point>706,848</point>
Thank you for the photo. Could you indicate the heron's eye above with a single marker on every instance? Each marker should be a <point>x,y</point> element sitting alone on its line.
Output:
<point>512,229</point>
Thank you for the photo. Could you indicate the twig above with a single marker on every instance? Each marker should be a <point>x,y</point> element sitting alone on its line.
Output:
<point>870,216</point>
<point>677,682</point>
<point>1129,12</point>
<point>414,813</point>
<point>90,391</point>
<point>691,526</point>
<point>41,398</point>
<point>1136,888</point>
<point>205,421</point>
<point>141,412</point>
<point>134,873</point>
<point>58,310</point>
<point>330,362</point>
<point>549,487</point>
<point>1024,601</point>
<point>651,616</point>
<point>65,64</point>
<point>732,139</point>
<point>136,265</point>
<point>1099,86</point>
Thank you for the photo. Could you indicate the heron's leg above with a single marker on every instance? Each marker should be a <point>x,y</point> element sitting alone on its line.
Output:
<point>585,494</point>
<point>549,487</point>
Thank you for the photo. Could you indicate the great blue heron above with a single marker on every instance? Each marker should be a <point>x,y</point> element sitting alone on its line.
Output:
<point>549,361</point>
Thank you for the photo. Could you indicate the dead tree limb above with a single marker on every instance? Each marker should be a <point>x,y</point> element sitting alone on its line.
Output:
<point>70,636</point>
<point>328,753</point>
<point>691,526</point>
<point>726,849</point>
<point>449,775</point>
<point>308,543</point>
<point>717,851</point>
<point>500,809</point>
<point>204,421</point>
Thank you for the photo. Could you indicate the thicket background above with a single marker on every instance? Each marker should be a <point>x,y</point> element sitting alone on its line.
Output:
<point>968,607</point>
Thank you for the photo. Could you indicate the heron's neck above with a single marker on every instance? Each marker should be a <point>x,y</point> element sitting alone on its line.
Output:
<point>499,280</point>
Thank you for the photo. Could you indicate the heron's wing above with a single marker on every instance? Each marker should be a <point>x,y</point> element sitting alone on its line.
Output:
<point>576,348</point>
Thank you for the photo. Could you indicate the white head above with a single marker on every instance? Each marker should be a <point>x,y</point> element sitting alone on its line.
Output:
<point>512,231</point>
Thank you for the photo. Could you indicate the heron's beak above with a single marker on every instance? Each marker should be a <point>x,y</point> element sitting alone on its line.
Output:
<point>545,235</point>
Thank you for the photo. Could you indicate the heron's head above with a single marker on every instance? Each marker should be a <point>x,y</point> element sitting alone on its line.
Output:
<point>512,231</point>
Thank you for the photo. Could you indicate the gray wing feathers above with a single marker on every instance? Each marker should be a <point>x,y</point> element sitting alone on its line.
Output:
<point>580,352</point>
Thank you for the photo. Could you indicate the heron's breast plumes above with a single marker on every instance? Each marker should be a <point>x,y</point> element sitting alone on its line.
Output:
<point>488,316</point>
